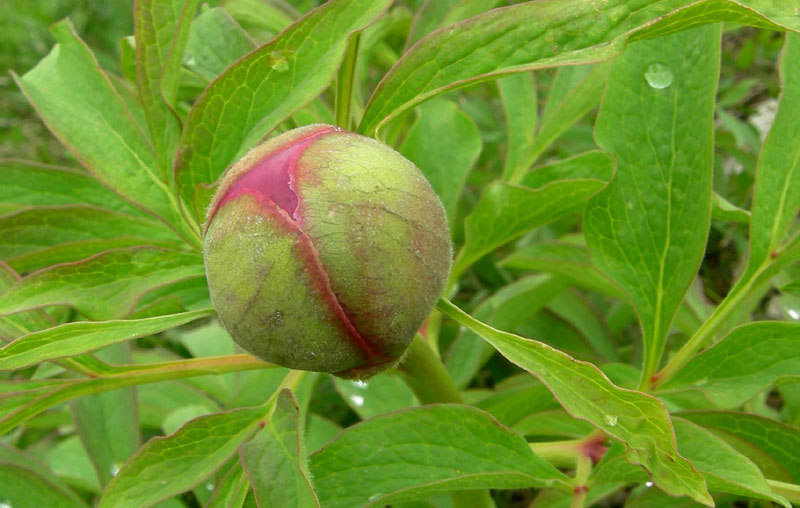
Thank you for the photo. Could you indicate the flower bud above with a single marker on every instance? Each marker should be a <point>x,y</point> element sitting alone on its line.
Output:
<point>325,251</point>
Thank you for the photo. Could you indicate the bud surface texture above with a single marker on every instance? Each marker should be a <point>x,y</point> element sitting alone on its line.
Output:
<point>325,251</point>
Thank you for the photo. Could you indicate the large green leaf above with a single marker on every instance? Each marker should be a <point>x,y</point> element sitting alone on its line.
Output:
<point>568,261</point>
<point>518,95</point>
<point>162,30</point>
<point>582,90</point>
<point>776,198</point>
<point>275,459</point>
<point>22,487</point>
<point>80,105</point>
<point>32,229</point>
<point>83,336</point>
<point>725,469</point>
<point>25,184</point>
<point>444,159</point>
<point>423,451</point>
<point>771,444</point>
<point>507,211</point>
<point>166,466</point>
<point>262,89</point>
<point>647,230</point>
<point>549,33</point>
<point>169,465</point>
<point>231,490</point>
<point>215,42</point>
<point>748,360</point>
<point>506,308</point>
<point>106,286</point>
<point>108,423</point>
<point>24,401</point>
<point>637,419</point>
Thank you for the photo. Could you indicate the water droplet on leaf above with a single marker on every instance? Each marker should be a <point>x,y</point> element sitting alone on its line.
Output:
<point>611,419</point>
<point>358,400</point>
<point>360,384</point>
<point>5,504</point>
<point>648,484</point>
<point>658,76</point>
<point>114,469</point>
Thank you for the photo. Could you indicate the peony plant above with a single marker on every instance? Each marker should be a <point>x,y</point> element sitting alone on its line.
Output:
<point>363,253</point>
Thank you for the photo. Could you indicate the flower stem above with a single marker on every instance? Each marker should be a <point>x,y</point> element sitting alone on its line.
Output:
<point>427,377</point>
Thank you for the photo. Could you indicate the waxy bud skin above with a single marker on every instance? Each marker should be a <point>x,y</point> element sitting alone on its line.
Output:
<point>325,251</point>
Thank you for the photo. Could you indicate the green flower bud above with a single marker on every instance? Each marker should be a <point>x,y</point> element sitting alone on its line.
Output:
<point>325,251</point>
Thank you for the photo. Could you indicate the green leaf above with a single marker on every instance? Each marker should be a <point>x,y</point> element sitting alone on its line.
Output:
<point>424,451</point>
<point>32,229</point>
<point>21,487</point>
<point>591,164</point>
<point>506,308</point>
<point>215,42</point>
<point>169,465</point>
<point>253,96</point>
<point>507,211</point>
<point>231,490</point>
<point>565,260</point>
<point>769,443</point>
<point>647,230</point>
<point>638,420</point>
<point>539,34</point>
<point>725,469</point>
<point>105,286</point>
<point>107,423</point>
<point>74,251</point>
<point>70,462</point>
<point>518,95</point>
<point>429,16</point>
<point>724,210</point>
<point>19,406</point>
<point>580,98</point>
<point>748,360</point>
<point>25,184</point>
<point>80,106</point>
<point>275,459</point>
<point>257,15</point>
<point>74,338</point>
<point>162,30</point>
<point>378,395</point>
<point>776,198</point>
<point>445,160</point>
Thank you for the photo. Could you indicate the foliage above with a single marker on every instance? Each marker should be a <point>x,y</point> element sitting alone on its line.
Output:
<point>622,180</point>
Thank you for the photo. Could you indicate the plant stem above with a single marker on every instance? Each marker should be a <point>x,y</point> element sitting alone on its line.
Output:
<point>581,490</point>
<point>427,377</point>
<point>344,83</point>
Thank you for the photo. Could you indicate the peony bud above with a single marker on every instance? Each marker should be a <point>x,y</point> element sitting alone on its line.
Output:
<point>325,251</point>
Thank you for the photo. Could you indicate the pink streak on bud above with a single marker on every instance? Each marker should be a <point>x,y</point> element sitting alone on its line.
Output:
<point>273,176</point>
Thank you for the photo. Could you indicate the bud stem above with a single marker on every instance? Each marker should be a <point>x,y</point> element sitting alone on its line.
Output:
<point>428,378</point>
